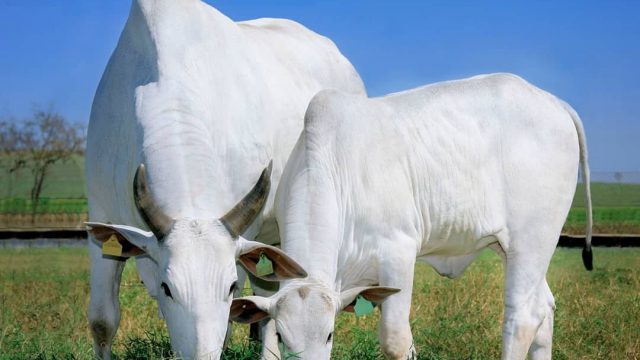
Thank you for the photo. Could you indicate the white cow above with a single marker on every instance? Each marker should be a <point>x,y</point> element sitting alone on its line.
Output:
<point>436,174</point>
<point>204,103</point>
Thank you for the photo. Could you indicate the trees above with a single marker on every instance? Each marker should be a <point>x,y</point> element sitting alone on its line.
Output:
<point>37,143</point>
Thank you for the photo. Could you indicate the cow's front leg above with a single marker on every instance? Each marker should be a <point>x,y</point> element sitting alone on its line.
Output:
<point>396,270</point>
<point>265,330</point>
<point>104,308</point>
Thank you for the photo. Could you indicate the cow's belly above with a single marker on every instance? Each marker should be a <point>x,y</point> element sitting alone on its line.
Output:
<point>450,253</point>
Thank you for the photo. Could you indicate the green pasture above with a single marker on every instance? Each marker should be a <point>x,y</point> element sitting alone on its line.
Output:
<point>44,296</point>
<point>45,206</point>
<point>616,206</point>
<point>609,195</point>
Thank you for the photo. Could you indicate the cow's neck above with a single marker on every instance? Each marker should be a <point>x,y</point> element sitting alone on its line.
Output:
<point>311,227</point>
<point>195,174</point>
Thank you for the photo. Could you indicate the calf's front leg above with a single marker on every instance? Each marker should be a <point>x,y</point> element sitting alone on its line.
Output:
<point>396,271</point>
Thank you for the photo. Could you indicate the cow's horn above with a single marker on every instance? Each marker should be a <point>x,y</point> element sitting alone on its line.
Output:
<point>159,223</point>
<point>238,219</point>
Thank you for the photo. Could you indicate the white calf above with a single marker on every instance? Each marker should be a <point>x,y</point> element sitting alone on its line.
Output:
<point>436,174</point>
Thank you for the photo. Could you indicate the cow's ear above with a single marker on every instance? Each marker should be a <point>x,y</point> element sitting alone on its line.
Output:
<point>250,309</point>
<point>375,294</point>
<point>134,241</point>
<point>254,256</point>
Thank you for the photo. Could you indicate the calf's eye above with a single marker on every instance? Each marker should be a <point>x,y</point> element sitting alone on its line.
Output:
<point>279,337</point>
<point>330,338</point>
<point>166,290</point>
<point>233,288</point>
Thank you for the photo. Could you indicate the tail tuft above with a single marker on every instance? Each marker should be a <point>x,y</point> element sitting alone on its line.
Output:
<point>587,257</point>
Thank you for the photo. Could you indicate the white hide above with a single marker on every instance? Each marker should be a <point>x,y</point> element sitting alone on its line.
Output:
<point>437,174</point>
<point>204,103</point>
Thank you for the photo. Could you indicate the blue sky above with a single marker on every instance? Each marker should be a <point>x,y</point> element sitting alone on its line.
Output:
<point>586,52</point>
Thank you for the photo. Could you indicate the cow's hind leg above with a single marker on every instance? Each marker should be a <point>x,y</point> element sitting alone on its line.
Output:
<point>104,308</point>
<point>528,317</point>
<point>396,340</point>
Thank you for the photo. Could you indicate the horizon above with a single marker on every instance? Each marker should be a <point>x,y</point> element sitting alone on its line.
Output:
<point>585,53</point>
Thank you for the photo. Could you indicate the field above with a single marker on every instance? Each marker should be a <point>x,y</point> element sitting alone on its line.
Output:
<point>66,181</point>
<point>44,295</point>
<point>616,206</point>
<point>62,204</point>
<point>616,209</point>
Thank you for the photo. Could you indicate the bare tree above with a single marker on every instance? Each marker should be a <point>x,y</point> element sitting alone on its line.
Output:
<point>37,143</point>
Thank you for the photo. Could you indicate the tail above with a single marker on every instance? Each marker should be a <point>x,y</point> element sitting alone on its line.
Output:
<point>587,255</point>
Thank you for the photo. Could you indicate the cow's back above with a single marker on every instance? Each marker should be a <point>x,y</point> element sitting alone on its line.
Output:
<point>449,163</point>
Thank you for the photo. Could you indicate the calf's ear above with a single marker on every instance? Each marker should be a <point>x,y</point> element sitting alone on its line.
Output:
<point>376,294</point>
<point>249,309</point>
<point>250,253</point>
<point>134,241</point>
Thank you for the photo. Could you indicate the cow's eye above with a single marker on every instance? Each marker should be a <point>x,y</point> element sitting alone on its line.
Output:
<point>167,292</point>
<point>330,338</point>
<point>279,337</point>
<point>233,288</point>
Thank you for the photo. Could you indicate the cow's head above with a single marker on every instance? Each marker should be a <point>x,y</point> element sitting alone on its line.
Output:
<point>304,314</point>
<point>196,262</point>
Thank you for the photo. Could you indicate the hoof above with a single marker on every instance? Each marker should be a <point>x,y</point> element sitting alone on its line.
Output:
<point>413,354</point>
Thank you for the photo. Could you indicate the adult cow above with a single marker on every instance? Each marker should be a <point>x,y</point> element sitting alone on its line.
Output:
<point>204,104</point>
<point>437,174</point>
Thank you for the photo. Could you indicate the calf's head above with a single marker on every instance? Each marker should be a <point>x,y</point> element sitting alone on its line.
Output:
<point>304,315</point>
<point>196,264</point>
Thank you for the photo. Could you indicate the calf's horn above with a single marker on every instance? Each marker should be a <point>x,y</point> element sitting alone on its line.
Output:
<point>238,219</point>
<point>159,223</point>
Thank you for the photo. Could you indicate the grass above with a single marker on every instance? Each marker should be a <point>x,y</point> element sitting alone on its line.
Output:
<point>44,296</point>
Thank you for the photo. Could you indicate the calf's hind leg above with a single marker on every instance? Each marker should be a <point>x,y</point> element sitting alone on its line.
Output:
<point>104,308</point>
<point>541,347</point>
<point>529,305</point>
